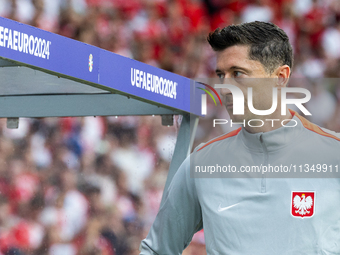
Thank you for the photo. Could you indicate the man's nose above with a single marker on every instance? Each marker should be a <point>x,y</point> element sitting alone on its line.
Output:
<point>227,80</point>
<point>225,91</point>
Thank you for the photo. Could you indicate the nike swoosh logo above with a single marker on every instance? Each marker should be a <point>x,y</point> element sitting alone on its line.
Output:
<point>221,209</point>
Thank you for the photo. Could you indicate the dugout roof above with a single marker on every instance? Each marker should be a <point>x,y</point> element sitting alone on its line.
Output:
<point>48,75</point>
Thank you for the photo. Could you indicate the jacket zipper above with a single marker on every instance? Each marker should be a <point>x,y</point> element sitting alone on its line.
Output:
<point>265,162</point>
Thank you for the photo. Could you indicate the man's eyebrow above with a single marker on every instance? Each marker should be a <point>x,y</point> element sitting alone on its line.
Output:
<point>233,68</point>
<point>240,68</point>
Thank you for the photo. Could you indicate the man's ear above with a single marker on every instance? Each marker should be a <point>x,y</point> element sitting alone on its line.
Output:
<point>282,73</point>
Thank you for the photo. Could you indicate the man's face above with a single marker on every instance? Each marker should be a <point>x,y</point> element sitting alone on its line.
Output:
<point>233,66</point>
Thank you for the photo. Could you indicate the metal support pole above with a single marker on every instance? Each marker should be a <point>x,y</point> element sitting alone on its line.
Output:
<point>185,140</point>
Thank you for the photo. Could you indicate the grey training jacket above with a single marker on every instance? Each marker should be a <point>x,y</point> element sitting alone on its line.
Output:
<point>261,215</point>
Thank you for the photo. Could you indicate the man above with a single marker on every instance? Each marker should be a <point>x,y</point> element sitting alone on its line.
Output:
<point>255,215</point>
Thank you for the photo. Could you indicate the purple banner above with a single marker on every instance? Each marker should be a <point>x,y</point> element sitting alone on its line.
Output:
<point>57,54</point>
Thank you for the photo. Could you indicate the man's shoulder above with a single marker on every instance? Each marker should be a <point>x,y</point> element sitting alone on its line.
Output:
<point>331,133</point>
<point>330,138</point>
<point>217,139</point>
<point>322,132</point>
<point>318,130</point>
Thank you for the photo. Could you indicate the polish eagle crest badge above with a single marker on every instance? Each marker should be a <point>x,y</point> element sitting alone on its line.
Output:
<point>303,203</point>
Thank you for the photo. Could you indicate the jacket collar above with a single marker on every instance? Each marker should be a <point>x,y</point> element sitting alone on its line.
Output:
<point>275,139</point>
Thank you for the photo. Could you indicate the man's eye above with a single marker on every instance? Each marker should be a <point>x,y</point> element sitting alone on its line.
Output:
<point>237,74</point>
<point>221,76</point>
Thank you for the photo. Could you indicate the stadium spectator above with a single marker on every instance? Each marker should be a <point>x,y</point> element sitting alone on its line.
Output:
<point>125,159</point>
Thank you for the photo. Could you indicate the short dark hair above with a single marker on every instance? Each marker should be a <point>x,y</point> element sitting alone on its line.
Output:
<point>268,43</point>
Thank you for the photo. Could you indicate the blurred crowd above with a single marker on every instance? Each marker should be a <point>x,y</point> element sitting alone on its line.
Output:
<point>93,185</point>
<point>87,185</point>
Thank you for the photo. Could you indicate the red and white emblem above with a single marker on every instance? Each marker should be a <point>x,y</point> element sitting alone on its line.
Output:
<point>303,204</point>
